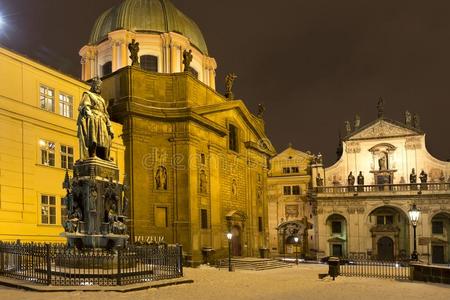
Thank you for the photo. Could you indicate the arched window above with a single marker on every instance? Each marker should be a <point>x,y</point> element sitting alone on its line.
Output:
<point>107,68</point>
<point>149,63</point>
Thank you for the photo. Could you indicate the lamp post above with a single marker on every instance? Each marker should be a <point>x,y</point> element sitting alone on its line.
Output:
<point>296,248</point>
<point>414,214</point>
<point>229,236</point>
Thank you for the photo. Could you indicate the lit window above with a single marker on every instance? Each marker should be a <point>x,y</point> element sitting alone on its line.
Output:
<point>233,137</point>
<point>66,105</point>
<point>286,170</point>
<point>149,63</point>
<point>294,169</point>
<point>47,153</point>
<point>286,190</point>
<point>296,190</point>
<point>48,210</point>
<point>66,157</point>
<point>47,98</point>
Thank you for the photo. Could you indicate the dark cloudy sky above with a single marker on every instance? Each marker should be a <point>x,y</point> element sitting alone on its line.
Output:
<point>313,63</point>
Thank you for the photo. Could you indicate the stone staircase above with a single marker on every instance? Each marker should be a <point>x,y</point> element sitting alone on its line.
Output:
<point>252,263</point>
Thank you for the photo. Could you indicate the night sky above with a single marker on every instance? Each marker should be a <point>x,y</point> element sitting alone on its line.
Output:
<point>313,63</point>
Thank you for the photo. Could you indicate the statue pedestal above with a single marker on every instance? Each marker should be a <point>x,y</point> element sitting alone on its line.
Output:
<point>97,207</point>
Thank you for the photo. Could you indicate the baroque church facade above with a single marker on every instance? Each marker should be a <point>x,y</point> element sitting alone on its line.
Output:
<point>362,201</point>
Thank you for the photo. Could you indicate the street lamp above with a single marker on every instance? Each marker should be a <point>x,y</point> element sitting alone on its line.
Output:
<point>414,214</point>
<point>296,247</point>
<point>229,236</point>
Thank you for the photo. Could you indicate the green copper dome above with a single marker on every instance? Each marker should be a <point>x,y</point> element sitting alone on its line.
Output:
<point>152,16</point>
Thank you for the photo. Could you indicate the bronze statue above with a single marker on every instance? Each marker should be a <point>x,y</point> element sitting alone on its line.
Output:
<point>413,176</point>
<point>134,53</point>
<point>261,110</point>
<point>229,81</point>
<point>187,59</point>
<point>423,177</point>
<point>95,133</point>
<point>351,179</point>
<point>380,107</point>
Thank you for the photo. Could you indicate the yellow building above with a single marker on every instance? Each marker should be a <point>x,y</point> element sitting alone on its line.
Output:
<point>38,142</point>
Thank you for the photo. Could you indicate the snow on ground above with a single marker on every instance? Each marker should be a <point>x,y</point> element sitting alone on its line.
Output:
<point>289,283</point>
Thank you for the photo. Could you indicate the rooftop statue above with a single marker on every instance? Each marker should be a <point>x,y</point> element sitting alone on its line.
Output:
<point>357,122</point>
<point>134,53</point>
<point>408,118</point>
<point>416,121</point>
<point>94,127</point>
<point>380,107</point>
<point>348,127</point>
<point>187,59</point>
<point>229,81</point>
<point>261,110</point>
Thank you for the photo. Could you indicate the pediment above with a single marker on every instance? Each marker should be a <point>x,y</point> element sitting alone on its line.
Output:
<point>291,153</point>
<point>382,129</point>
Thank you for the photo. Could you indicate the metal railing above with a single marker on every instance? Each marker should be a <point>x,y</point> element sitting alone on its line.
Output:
<point>52,264</point>
<point>376,268</point>
<point>376,188</point>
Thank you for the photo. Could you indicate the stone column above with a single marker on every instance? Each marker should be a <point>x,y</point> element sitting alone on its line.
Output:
<point>173,58</point>
<point>212,78</point>
<point>124,54</point>
<point>114,56</point>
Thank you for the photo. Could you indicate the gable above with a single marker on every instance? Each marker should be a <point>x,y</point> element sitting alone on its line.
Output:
<point>382,128</point>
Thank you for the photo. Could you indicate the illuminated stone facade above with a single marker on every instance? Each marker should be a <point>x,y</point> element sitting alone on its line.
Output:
<point>362,207</point>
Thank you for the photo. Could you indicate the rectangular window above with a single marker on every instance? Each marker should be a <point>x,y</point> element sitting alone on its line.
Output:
<point>260,224</point>
<point>66,105</point>
<point>294,169</point>
<point>66,157</point>
<point>204,218</point>
<point>233,137</point>
<point>48,210</point>
<point>295,190</point>
<point>385,220</point>
<point>336,227</point>
<point>63,210</point>
<point>286,190</point>
<point>161,217</point>
<point>47,98</point>
<point>437,227</point>
<point>47,150</point>
<point>286,170</point>
<point>389,220</point>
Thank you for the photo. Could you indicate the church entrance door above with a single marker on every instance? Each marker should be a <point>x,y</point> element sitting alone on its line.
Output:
<point>236,241</point>
<point>385,248</point>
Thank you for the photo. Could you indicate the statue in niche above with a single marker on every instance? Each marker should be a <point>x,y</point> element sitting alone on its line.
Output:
<point>380,107</point>
<point>229,81</point>
<point>134,53</point>
<point>187,59</point>
<point>161,178</point>
<point>423,177</point>
<point>351,179</point>
<point>203,182</point>
<point>408,119</point>
<point>234,187</point>
<point>94,127</point>
<point>92,197</point>
<point>416,121</point>
<point>348,127</point>
<point>357,121</point>
<point>319,180</point>
<point>382,162</point>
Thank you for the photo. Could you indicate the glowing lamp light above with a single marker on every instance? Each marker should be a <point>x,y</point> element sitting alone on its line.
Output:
<point>414,214</point>
<point>296,239</point>
<point>229,235</point>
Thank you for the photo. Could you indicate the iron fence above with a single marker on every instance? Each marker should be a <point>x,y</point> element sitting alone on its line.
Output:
<point>52,264</point>
<point>376,268</point>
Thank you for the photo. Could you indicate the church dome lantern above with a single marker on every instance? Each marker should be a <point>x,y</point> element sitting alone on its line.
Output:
<point>163,33</point>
